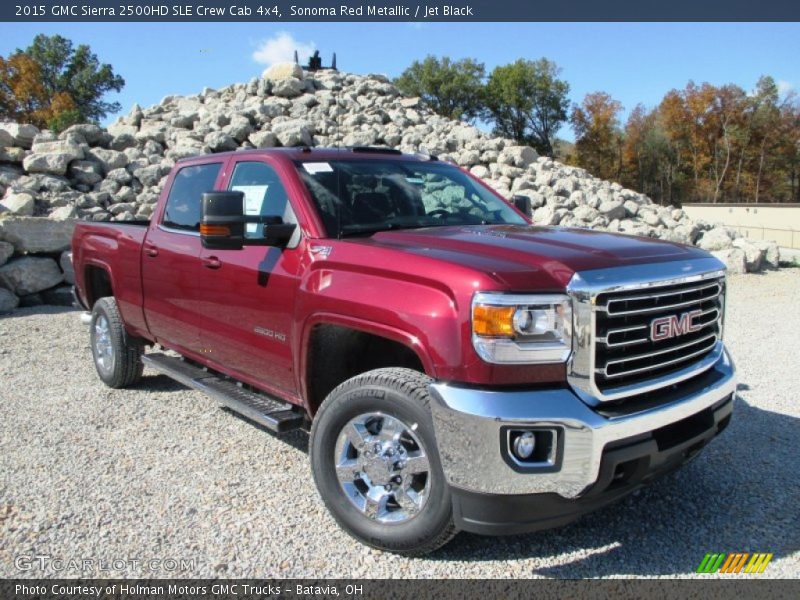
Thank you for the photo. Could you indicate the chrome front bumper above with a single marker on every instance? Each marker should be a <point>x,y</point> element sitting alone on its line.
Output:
<point>468,423</point>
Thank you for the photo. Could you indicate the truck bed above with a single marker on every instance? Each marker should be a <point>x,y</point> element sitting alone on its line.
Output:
<point>116,248</point>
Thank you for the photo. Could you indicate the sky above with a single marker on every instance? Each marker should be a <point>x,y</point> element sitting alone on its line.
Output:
<point>634,62</point>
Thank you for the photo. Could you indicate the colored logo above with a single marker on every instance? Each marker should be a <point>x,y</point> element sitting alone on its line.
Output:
<point>664,328</point>
<point>734,562</point>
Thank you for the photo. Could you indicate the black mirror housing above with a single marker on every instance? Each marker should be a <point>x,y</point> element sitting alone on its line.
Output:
<point>222,222</point>
<point>523,204</point>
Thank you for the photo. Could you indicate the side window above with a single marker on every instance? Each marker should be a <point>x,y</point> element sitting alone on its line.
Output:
<point>183,203</point>
<point>264,193</point>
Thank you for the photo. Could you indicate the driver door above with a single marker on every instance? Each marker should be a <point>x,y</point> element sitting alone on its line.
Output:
<point>249,294</point>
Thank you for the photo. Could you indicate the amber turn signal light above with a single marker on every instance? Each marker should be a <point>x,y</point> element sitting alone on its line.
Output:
<point>214,229</point>
<point>495,321</point>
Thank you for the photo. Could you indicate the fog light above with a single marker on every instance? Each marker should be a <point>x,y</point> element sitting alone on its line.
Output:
<point>524,445</point>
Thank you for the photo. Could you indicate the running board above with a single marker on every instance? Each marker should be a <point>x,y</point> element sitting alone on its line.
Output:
<point>271,413</point>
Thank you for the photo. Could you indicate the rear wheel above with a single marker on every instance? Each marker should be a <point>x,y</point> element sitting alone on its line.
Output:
<point>374,459</point>
<point>117,356</point>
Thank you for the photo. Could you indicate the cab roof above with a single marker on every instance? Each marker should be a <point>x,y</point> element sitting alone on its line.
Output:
<point>306,153</point>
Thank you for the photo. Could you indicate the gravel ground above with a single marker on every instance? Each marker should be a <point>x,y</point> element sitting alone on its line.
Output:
<point>159,472</point>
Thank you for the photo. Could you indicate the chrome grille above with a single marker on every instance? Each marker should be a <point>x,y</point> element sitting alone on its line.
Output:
<point>626,350</point>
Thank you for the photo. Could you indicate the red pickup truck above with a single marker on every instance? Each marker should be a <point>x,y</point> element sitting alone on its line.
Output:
<point>458,367</point>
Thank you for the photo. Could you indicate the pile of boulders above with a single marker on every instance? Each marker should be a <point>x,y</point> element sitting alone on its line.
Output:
<point>35,265</point>
<point>117,173</point>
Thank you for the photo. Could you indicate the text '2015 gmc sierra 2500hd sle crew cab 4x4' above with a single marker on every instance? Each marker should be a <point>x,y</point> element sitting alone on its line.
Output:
<point>458,367</point>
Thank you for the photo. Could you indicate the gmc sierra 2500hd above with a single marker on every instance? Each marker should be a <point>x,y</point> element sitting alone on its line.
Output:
<point>458,367</point>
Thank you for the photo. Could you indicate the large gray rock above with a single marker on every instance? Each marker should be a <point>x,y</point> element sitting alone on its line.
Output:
<point>63,212</point>
<point>734,259</point>
<point>295,132</point>
<point>6,252</point>
<point>90,132</point>
<point>65,262</point>
<point>715,239</point>
<point>86,171</point>
<point>58,296</point>
<point>30,274</point>
<point>108,159</point>
<point>219,141</point>
<point>8,300</point>
<point>52,157</point>
<point>37,234</point>
<point>12,155</point>
<point>285,70</point>
<point>612,209</point>
<point>263,139</point>
<point>18,134</point>
<point>518,156</point>
<point>772,254</point>
<point>5,138</point>
<point>288,88</point>
<point>21,204</point>
<point>120,129</point>
<point>753,255</point>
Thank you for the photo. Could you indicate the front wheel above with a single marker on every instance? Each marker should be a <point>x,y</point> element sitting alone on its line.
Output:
<point>117,356</point>
<point>374,460</point>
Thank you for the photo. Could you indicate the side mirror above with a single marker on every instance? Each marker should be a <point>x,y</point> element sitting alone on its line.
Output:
<point>523,204</point>
<point>222,225</point>
<point>222,221</point>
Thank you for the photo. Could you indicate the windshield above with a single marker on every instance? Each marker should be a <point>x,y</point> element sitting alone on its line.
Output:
<point>360,197</point>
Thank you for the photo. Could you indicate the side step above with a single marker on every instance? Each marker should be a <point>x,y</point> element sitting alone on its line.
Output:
<point>271,413</point>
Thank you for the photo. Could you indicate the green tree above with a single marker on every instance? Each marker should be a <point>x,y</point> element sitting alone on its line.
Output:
<point>528,102</point>
<point>451,88</point>
<point>76,72</point>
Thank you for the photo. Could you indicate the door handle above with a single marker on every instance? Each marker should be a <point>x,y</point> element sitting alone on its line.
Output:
<point>150,250</point>
<point>212,262</point>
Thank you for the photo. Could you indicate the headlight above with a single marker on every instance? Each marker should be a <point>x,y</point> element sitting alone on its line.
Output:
<point>518,329</point>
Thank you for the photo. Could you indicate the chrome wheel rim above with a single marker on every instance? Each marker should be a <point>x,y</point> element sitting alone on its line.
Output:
<point>382,467</point>
<point>103,349</point>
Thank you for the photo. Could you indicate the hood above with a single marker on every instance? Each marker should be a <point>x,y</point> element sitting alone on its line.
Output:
<point>519,256</point>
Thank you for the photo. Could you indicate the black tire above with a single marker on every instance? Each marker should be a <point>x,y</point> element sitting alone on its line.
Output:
<point>402,394</point>
<point>123,367</point>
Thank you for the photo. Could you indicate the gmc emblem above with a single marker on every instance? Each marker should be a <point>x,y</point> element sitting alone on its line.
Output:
<point>664,328</point>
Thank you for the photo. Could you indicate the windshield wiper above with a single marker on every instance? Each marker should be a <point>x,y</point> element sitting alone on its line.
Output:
<point>353,230</point>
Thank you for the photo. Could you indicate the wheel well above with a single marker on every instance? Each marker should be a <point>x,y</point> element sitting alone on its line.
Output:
<point>98,284</point>
<point>338,353</point>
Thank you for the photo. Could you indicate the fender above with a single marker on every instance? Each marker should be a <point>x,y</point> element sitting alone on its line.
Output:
<point>411,341</point>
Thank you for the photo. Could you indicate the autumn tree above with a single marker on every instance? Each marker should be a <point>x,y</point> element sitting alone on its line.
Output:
<point>451,88</point>
<point>24,98</point>
<point>52,83</point>
<point>648,165</point>
<point>598,139</point>
<point>787,150</point>
<point>527,102</point>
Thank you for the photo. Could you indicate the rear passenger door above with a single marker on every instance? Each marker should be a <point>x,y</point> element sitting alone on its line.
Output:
<point>249,294</point>
<point>171,266</point>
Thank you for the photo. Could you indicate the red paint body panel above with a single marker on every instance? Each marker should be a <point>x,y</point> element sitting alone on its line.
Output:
<point>253,316</point>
